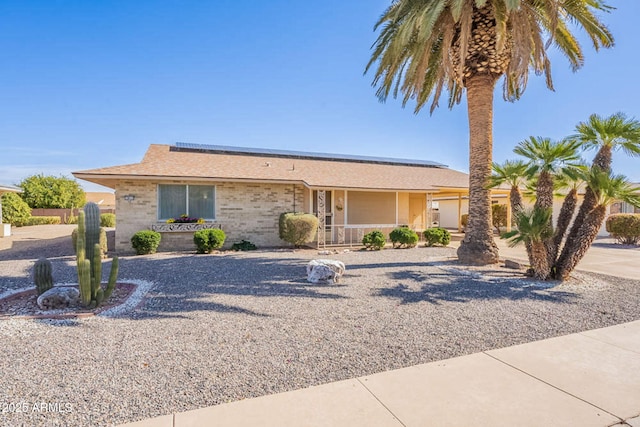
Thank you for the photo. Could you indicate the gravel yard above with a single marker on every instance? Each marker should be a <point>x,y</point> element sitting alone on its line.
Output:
<point>219,328</point>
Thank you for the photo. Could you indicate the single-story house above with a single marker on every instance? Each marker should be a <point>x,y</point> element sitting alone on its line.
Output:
<point>5,229</point>
<point>244,191</point>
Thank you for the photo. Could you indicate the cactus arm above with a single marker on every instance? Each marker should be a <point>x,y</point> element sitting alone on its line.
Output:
<point>84,281</point>
<point>96,271</point>
<point>112,278</point>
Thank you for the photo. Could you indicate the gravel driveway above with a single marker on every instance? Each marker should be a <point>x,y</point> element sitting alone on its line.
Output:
<point>219,328</point>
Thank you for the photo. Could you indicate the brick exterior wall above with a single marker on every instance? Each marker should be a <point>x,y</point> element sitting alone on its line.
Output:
<point>247,211</point>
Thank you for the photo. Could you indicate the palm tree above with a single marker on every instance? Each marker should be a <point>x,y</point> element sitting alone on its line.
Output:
<point>616,132</point>
<point>426,46</point>
<point>606,188</point>
<point>571,179</point>
<point>533,230</point>
<point>547,159</point>
<point>512,173</point>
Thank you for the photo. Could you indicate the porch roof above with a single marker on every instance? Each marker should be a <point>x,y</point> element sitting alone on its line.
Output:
<point>166,162</point>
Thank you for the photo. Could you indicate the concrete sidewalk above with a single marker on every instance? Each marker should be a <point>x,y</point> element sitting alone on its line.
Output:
<point>586,379</point>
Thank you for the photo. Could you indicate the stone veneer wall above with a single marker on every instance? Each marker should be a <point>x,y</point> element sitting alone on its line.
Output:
<point>244,211</point>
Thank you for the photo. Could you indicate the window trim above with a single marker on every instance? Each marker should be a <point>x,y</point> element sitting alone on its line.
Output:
<point>215,204</point>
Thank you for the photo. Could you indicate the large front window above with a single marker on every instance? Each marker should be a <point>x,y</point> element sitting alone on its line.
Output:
<point>196,201</point>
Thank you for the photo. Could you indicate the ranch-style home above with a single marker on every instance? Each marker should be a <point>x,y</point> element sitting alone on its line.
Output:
<point>244,191</point>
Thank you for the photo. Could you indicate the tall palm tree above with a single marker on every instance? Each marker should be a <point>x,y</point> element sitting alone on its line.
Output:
<point>512,173</point>
<point>427,46</point>
<point>606,188</point>
<point>616,132</point>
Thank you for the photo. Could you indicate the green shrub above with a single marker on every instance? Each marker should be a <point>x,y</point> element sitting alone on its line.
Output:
<point>403,237</point>
<point>297,228</point>
<point>42,220</point>
<point>245,245</point>
<point>146,242</point>
<point>107,220</point>
<point>102,241</point>
<point>208,240</point>
<point>15,211</point>
<point>437,236</point>
<point>625,228</point>
<point>374,240</point>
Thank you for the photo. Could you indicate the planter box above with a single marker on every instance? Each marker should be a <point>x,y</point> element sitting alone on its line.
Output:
<point>182,227</point>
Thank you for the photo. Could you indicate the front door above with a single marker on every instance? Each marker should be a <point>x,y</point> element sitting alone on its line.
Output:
<point>328,213</point>
<point>417,208</point>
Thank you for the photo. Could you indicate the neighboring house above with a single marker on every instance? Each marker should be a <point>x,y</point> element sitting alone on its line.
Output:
<point>5,229</point>
<point>244,191</point>
<point>624,207</point>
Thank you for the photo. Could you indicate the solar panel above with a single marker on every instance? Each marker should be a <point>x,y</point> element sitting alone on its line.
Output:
<point>226,149</point>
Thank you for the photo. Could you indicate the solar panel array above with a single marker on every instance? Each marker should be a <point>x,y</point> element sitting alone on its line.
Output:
<point>225,149</point>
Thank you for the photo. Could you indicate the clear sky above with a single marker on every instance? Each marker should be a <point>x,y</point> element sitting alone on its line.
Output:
<point>88,84</point>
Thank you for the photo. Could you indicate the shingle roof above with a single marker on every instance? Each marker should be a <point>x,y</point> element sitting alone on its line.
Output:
<point>162,162</point>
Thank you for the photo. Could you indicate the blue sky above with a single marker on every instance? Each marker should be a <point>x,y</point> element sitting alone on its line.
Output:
<point>88,84</point>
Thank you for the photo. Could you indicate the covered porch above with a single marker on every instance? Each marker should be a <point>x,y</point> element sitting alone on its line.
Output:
<point>346,215</point>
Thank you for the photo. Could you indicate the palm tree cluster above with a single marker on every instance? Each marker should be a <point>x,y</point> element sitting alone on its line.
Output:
<point>426,47</point>
<point>552,166</point>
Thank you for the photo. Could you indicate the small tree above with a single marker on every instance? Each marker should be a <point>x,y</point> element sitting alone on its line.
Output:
<point>50,192</point>
<point>14,210</point>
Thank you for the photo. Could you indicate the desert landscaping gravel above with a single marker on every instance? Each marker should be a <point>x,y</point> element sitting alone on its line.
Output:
<point>235,325</point>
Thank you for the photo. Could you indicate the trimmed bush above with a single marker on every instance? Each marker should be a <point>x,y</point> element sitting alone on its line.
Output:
<point>146,242</point>
<point>625,228</point>
<point>297,228</point>
<point>102,241</point>
<point>374,240</point>
<point>437,236</point>
<point>208,240</point>
<point>403,237</point>
<point>107,220</point>
<point>245,245</point>
<point>15,211</point>
<point>43,220</point>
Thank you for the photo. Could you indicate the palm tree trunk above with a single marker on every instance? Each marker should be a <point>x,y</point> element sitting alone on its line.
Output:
<point>516,200</point>
<point>539,262</point>
<point>478,246</point>
<point>578,247</point>
<point>564,219</point>
<point>602,160</point>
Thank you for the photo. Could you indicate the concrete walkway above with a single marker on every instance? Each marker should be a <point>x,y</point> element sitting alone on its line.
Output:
<point>585,379</point>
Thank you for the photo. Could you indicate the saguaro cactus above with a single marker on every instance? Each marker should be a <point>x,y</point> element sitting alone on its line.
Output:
<point>89,259</point>
<point>42,275</point>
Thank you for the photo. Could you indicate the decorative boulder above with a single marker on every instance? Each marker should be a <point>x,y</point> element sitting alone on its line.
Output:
<point>58,297</point>
<point>325,270</point>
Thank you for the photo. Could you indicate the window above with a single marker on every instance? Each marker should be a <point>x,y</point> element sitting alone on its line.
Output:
<point>197,201</point>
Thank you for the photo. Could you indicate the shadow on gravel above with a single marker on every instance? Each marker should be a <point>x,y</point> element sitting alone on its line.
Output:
<point>185,281</point>
<point>36,248</point>
<point>454,288</point>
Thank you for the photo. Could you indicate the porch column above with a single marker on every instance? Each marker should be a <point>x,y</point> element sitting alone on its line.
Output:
<point>508,213</point>
<point>396,208</point>
<point>459,212</point>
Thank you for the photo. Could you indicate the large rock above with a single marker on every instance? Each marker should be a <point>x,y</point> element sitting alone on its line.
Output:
<point>325,270</point>
<point>59,297</point>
